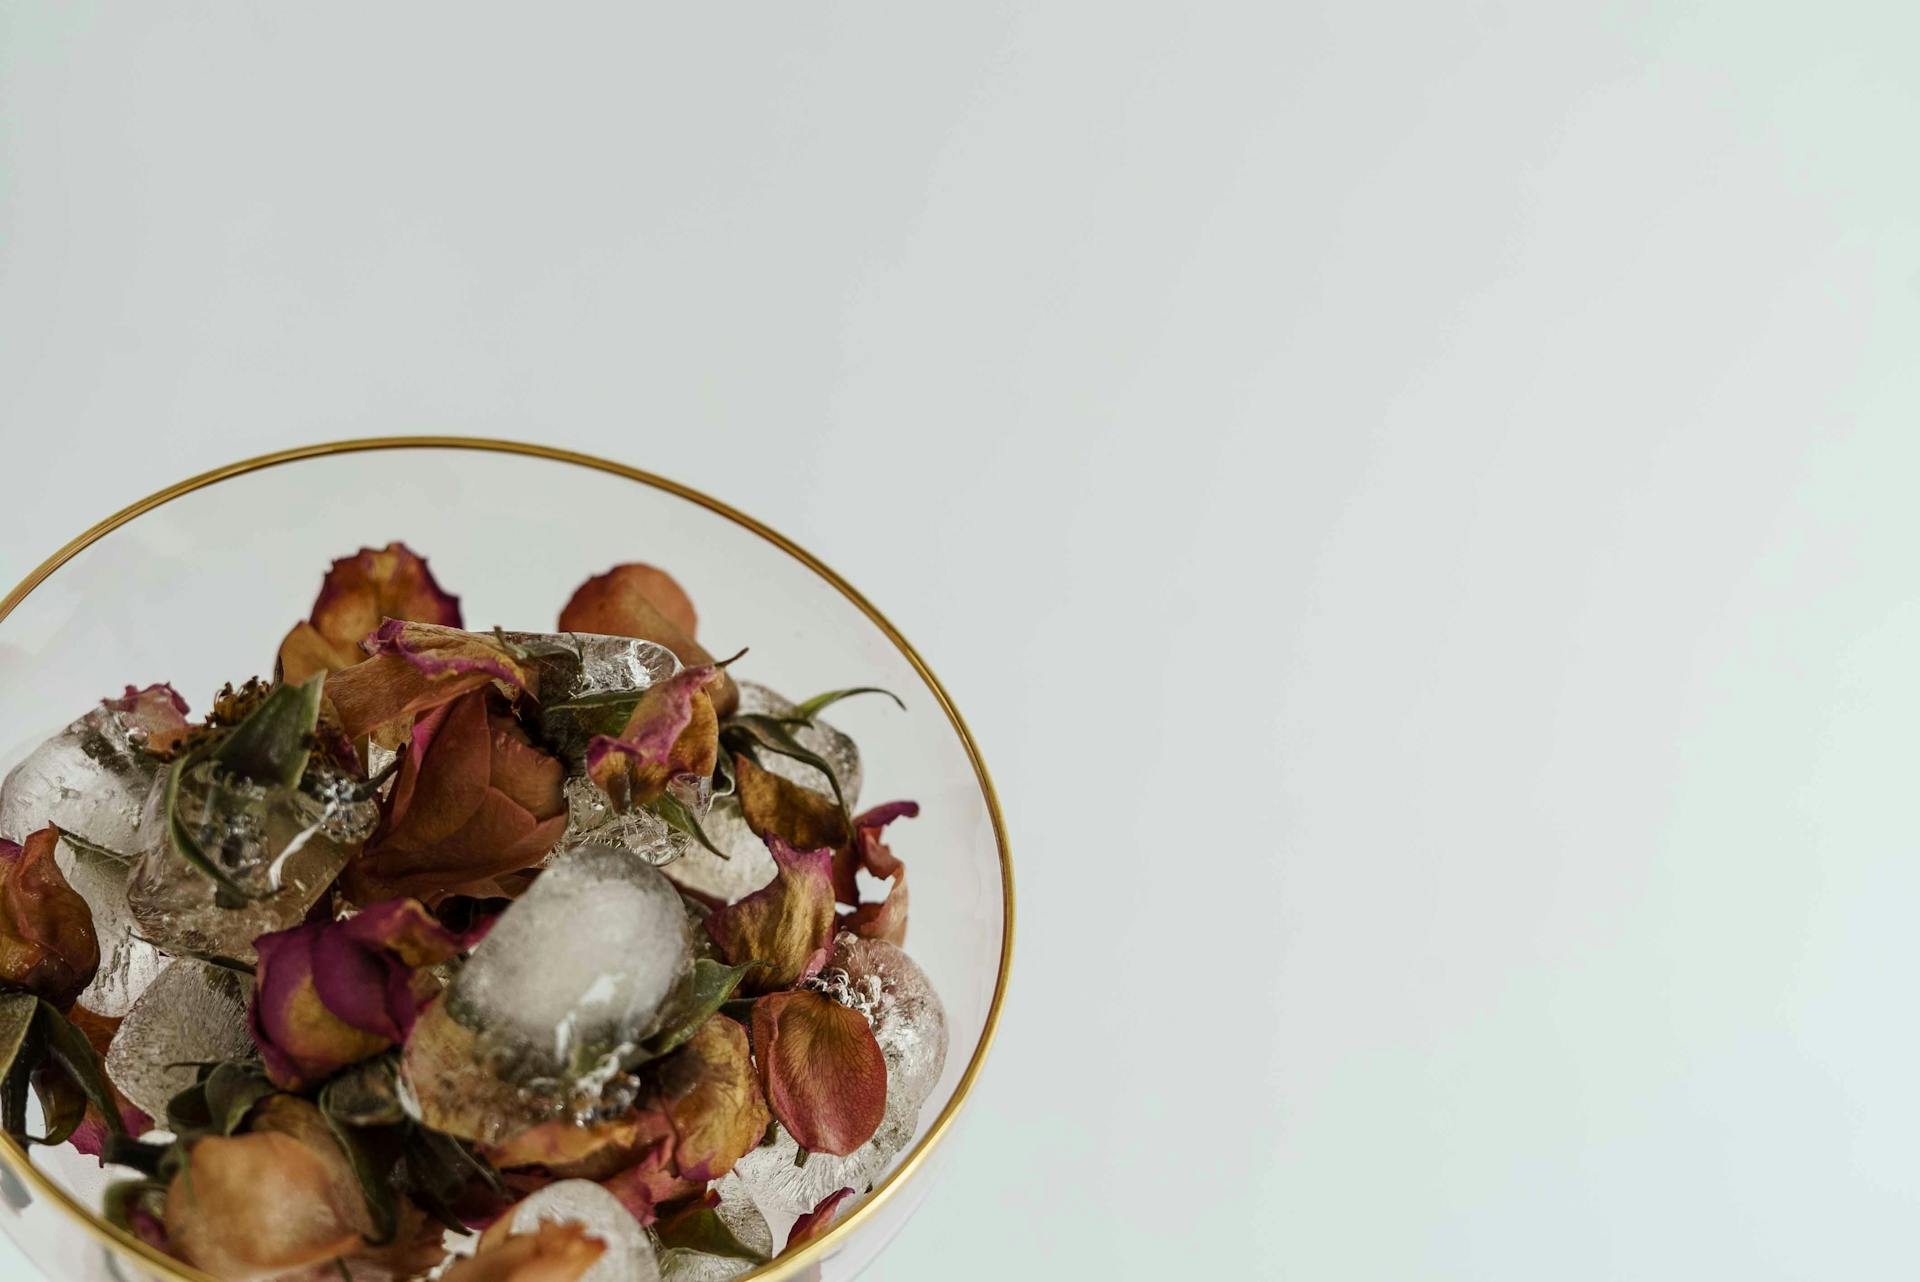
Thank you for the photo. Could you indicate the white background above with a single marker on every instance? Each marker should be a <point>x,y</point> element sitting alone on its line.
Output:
<point>1417,501</point>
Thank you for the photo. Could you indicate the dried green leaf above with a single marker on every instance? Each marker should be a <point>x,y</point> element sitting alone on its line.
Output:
<point>705,991</point>
<point>374,1175</point>
<point>231,1090</point>
<point>272,745</point>
<point>770,734</point>
<point>676,814</point>
<point>805,713</point>
<point>70,1050</point>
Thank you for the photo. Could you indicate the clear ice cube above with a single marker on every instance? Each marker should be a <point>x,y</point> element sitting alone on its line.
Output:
<point>191,1013</point>
<point>819,738</point>
<point>629,1254</point>
<point>281,845</point>
<point>747,867</point>
<point>739,1213</point>
<point>91,779</point>
<point>592,821</point>
<point>128,964</point>
<point>573,665</point>
<point>575,973</point>
<point>910,1024</point>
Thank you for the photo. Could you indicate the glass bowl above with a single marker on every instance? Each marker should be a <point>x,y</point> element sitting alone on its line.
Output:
<point>197,584</point>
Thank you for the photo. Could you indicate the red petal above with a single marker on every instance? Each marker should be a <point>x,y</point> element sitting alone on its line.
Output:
<point>817,1221</point>
<point>822,1070</point>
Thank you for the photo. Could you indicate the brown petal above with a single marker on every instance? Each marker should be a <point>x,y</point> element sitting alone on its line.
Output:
<point>617,604</point>
<point>566,1150</point>
<point>47,944</point>
<point>821,1068</point>
<point>775,806</point>
<point>358,592</point>
<point>713,1100</point>
<point>549,1253</point>
<point>418,666</point>
<point>785,923</point>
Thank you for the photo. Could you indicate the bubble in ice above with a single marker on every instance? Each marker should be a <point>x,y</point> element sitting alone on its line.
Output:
<point>738,1211</point>
<point>283,846</point>
<point>629,1256</point>
<point>820,738</point>
<point>92,779</point>
<point>576,972</point>
<point>592,821</point>
<point>910,1024</point>
<point>192,1012</point>
<point>128,964</point>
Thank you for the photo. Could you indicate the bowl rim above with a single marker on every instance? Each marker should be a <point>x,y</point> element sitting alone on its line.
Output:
<point>790,1266</point>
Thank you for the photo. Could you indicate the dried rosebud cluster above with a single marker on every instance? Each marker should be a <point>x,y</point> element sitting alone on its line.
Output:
<point>427,926</point>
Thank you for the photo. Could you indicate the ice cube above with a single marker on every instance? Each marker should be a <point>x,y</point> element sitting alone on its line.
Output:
<point>909,1022</point>
<point>127,963</point>
<point>573,665</point>
<point>575,972</point>
<point>92,779</point>
<point>629,1256</point>
<point>819,738</point>
<point>592,821</point>
<point>739,1213</point>
<point>192,1012</point>
<point>747,867</point>
<point>279,844</point>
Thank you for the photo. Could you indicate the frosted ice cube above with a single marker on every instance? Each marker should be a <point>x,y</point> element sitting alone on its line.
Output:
<point>193,1012</point>
<point>575,972</point>
<point>278,843</point>
<point>739,1213</point>
<point>592,821</point>
<point>91,779</point>
<point>629,1256</point>
<point>819,738</point>
<point>127,963</point>
<point>910,1024</point>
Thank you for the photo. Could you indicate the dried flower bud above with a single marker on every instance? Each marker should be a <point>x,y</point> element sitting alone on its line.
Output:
<point>47,944</point>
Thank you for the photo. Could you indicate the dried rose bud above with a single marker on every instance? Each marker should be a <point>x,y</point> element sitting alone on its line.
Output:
<point>278,1198</point>
<point>416,667</point>
<point>672,732</point>
<point>332,993</point>
<point>47,944</point>
<point>788,923</point>
<point>817,1221</point>
<point>713,1099</point>
<point>641,601</point>
<point>360,591</point>
<point>821,1069</point>
<point>474,800</point>
<point>548,1253</point>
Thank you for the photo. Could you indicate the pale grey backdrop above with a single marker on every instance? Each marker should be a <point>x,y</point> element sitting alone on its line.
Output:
<point>1417,500</point>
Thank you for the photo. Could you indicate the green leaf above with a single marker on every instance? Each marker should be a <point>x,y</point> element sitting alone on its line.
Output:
<point>62,1108</point>
<point>272,745</point>
<point>374,1175</point>
<point>16,1020</point>
<point>232,1089</point>
<point>185,844</point>
<point>701,1229</point>
<point>148,1159</point>
<point>69,1048</point>
<point>805,713</point>
<point>771,734</point>
<point>678,815</point>
<point>702,994</point>
<point>188,1112</point>
<point>21,1049</point>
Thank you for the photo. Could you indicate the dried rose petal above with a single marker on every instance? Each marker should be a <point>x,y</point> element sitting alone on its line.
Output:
<point>649,1183</point>
<point>360,591</point>
<point>565,1150</point>
<point>278,1198</point>
<point>775,806</point>
<point>47,944</point>
<point>821,1068</point>
<point>640,601</point>
<point>332,993</point>
<point>90,1137</point>
<point>713,1101</point>
<point>788,923</point>
<point>817,1221</point>
<point>549,1252</point>
<point>886,919</point>
<point>416,667</point>
<point>671,732</point>
<point>474,800</point>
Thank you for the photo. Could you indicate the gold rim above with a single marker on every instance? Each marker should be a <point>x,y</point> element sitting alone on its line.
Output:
<point>786,1266</point>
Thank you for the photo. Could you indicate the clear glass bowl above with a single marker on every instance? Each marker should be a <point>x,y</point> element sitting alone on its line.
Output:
<point>197,584</point>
